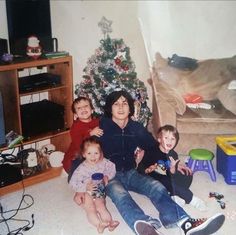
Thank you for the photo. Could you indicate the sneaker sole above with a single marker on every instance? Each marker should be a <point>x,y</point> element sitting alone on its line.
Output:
<point>143,228</point>
<point>209,226</point>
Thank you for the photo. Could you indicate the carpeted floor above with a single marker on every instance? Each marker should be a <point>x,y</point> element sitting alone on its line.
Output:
<point>55,213</point>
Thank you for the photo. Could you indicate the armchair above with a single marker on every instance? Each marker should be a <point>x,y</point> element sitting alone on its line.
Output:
<point>197,127</point>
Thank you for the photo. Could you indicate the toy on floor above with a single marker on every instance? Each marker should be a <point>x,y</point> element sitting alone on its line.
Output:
<point>222,204</point>
<point>218,198</point>
<point>216,195</point>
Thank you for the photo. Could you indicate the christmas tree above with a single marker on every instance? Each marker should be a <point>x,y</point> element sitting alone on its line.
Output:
<point>110,69</point>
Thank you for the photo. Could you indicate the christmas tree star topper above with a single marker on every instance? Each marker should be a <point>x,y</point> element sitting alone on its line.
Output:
<point>105,26</point>
<point>120,54</point>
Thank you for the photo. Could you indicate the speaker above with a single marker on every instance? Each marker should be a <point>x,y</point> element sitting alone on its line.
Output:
<point>41,117</point>
<point>3,46</point>
<point>2,123</point>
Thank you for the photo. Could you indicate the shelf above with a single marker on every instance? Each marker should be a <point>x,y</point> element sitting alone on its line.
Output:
<point>38,138</point>
<point>41,90</point>
<point>46,175</point>
<point>60,94</point>
<point>29,63</point>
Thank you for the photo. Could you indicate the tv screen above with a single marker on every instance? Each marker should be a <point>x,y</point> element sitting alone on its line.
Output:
<point>26,18</point>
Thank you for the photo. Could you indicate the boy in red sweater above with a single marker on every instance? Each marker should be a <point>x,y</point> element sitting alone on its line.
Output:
<point>84,125</point>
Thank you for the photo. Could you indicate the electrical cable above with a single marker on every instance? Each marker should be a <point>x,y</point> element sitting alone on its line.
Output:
<point>28,200</point>
<point>19,208</point>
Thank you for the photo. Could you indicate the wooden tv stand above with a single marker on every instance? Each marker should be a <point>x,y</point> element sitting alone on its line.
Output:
<point>12,99</point>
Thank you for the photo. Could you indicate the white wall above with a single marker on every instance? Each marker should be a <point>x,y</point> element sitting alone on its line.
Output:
<point>199,29</point>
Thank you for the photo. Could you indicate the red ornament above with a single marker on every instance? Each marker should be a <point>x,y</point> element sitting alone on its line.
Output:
<point>126,67</point>
<point>117,61</point>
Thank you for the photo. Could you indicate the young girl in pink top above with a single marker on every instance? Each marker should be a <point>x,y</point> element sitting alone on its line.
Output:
<point>89,195</point>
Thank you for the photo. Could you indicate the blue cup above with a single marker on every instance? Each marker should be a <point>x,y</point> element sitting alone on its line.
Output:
<point>97,179</point>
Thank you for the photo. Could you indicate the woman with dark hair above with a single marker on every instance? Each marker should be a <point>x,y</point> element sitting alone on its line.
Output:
<point>121,137</point>
<point>111,99</point>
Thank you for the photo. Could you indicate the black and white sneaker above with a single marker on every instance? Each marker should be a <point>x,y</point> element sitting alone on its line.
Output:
<point>142,227</point>
<point>203,226</point>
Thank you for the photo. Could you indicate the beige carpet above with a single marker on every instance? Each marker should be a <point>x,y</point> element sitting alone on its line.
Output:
<point>55,212</point>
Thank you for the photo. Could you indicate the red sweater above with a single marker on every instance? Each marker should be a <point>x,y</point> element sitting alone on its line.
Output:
<point>78,132</point>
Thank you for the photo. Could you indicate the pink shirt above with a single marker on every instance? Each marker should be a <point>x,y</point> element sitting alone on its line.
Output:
<point>82,174</point>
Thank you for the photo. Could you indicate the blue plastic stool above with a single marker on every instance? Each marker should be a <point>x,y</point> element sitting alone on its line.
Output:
<point>201,160</point>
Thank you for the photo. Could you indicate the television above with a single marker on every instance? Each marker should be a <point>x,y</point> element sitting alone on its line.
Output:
<point>26,18</point>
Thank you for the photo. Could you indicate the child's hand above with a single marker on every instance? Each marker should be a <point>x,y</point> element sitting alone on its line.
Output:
<point>90,187</point>
<point>96,131</point>
<point>183,169</point>
<point>173,163</point>
<point>138,154</point>
<point>151,168</point>
<point>79,198</point>
<point>105,179</point>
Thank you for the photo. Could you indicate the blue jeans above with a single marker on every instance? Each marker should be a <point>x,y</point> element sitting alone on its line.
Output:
<point>117,189</point>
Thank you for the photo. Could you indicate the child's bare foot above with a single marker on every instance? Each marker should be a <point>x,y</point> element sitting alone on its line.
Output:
<point>102,226</point>
<point>113,224</point>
